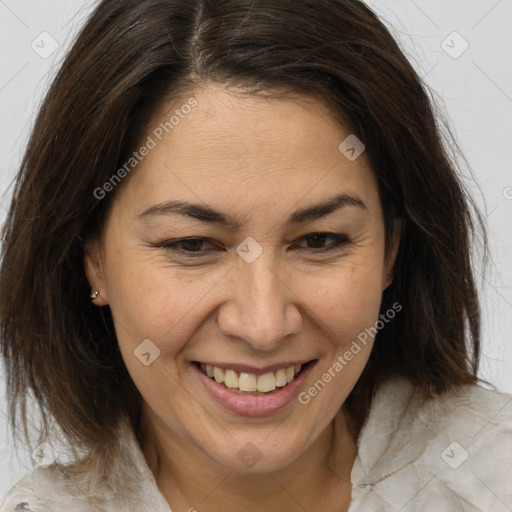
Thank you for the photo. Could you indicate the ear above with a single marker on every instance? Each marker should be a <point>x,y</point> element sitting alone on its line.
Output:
<point>392,253</point>
<point>93,265</point>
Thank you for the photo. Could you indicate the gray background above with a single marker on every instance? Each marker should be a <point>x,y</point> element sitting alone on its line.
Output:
<point>475,94</point>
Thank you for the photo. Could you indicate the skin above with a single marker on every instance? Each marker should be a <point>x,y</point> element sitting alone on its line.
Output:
<point>257,159</point>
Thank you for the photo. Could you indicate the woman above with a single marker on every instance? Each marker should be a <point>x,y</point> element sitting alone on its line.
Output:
<point>236,273</point>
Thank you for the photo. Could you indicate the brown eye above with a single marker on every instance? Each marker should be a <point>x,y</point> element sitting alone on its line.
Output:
<point>317,241</point>
<point>188,246</point>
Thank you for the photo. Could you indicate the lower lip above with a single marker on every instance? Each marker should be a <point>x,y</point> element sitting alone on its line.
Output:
<point>253,405</point>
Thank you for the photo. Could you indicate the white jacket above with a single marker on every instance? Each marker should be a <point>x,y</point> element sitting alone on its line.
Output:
<point>451,454</point>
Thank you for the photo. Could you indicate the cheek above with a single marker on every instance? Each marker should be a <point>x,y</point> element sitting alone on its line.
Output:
<point>346,309</point>
<point>150,303</point>
<point>346,302</point>
<point>151,300</point>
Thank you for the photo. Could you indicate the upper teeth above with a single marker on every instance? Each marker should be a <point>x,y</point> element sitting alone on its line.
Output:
<point>249,381</point>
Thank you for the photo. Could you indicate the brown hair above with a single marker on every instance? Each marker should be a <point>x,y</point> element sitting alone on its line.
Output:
<point>129,58</point>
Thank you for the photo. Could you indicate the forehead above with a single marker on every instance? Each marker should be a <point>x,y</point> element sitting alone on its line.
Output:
<point>248,127</point>
<point>240,149</point>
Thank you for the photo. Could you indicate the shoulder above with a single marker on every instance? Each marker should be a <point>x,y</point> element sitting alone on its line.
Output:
<point>42,490</point>
<point>455,449</point>
<point>130,488</point>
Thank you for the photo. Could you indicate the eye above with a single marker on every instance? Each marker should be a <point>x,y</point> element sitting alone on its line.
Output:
<point>188,246</point>
<point>318,239</point>
<point>192,247</point>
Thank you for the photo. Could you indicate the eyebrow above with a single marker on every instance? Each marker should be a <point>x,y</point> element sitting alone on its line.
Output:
<point>207,214</point>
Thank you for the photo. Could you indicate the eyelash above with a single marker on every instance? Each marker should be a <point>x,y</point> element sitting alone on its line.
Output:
<point>174,245</point>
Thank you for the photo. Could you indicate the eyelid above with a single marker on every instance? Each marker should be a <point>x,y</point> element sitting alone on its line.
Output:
<point>341,240</point>
<point>171,244</point>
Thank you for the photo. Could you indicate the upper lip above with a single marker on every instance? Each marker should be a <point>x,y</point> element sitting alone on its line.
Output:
<point>245,368</point>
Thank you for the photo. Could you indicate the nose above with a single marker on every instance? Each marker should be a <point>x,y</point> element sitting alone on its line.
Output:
<point>262,308</point>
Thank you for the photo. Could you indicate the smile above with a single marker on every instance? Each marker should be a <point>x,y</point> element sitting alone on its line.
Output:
<point>249,391</point>
<point>250,382</point>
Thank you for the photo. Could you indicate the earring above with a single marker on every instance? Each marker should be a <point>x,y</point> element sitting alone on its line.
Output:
<point>94,295</point>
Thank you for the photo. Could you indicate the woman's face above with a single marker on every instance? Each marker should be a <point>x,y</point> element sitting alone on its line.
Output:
<point>255,293</point>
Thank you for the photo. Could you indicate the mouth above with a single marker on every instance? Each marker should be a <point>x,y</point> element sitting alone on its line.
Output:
<point>253,384</point>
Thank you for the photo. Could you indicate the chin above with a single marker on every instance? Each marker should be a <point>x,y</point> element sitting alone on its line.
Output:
<point>245,454</point>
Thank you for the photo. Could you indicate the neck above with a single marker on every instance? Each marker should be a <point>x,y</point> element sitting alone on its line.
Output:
<point>319,479</point>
